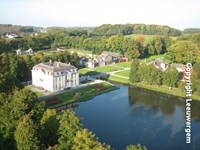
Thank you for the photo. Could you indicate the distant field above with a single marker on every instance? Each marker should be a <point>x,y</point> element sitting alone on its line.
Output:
<point>108,68</point>
<point>124,73</point>
<point>124,64</point>
<point>81,51</point>
<point>136,36</point>
<point>140,35</point>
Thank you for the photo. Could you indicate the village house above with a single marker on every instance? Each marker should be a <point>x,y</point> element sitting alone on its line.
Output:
<point>25,52</point>
<point>11,36</point>
<point>55,76</point>
<point>161,65</point>
<point>104,59</point>
<point>115,57</point>
<point>92,63</point>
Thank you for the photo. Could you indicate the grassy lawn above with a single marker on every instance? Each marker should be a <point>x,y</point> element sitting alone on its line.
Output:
<point>48,53</point>
<point>146,37</point>
<point>124,64</point>
<point>136,36</point>
<point>83,94</point>
<point>81,51</point>
<point>108,68</point>
<point>124,73</point>
<point>154,57</point>
<point>85,71</point>
<point>118,79</point>
<point>37,92</point>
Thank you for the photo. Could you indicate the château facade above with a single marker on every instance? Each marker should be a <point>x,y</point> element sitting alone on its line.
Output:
<point>55,76</point>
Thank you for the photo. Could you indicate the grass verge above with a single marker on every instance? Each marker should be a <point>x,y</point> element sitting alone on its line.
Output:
<point>162,89</point>
<point>118,79</point>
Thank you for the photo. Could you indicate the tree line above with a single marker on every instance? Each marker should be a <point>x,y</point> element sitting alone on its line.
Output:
<point>191,30</point>
<point>8,28</point>
<point>127,29</point>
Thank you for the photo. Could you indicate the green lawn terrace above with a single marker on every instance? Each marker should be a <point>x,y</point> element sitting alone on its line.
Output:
<point>123,64</point>
<point>79,95</point>
<point>109,68</point>
<point>124,73</point>
<point>118,79</point>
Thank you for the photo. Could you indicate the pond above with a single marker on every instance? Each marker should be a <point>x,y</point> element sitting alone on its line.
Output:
<point>133,115</point>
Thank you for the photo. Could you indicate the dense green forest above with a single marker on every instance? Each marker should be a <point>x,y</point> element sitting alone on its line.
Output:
<point>127,29</point>
<point>25,124</point>
<point>103,30</point>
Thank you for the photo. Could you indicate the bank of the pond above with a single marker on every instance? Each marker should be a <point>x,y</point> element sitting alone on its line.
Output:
<point>79,95</point>
<point>161,89</point>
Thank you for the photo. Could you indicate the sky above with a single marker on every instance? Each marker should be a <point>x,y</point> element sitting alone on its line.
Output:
<point>179,14</point>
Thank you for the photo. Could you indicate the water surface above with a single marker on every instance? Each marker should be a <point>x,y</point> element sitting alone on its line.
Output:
<point>132,115</point>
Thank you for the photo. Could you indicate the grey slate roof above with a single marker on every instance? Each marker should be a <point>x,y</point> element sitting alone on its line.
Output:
<point>55,66</point>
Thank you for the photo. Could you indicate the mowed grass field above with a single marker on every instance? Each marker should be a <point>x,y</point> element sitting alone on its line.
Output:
<point>108,68</point>
<point>124,64</point>
<point>118,79</point>
<point>124,73</point>
<point>136,36</point>
<point>155,57</point>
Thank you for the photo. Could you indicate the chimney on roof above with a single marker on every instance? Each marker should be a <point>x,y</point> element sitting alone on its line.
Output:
<point>58,64</point>
<point>50,62</point>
